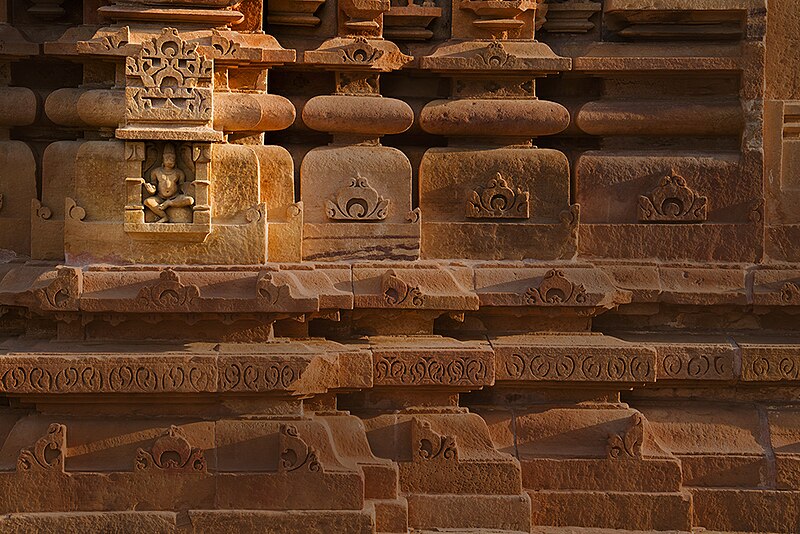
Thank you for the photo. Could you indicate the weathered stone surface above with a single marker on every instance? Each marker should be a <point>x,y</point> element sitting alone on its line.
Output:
<point>357,266</point>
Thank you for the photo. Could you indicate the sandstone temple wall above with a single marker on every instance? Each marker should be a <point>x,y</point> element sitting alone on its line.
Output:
<point>389,266</point>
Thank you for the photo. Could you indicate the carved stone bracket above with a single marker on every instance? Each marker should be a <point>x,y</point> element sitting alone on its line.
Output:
<point>48,452</point>
<point>429,445</point>
<point>357,202</point>
<point>556,290</point>
<point>629,444</point>
<point>295,452</point>
<point>498,200</point>
<point>171,452</point>
<point>672,201</point>
<point>398,293</point>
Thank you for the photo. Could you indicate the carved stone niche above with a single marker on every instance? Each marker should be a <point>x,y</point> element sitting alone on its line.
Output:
<point>168,191</point>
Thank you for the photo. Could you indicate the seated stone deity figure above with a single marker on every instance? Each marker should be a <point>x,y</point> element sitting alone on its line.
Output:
<point>166,185</point>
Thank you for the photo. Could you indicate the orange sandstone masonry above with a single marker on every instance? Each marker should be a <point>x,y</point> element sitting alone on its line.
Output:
<point>383,266</point>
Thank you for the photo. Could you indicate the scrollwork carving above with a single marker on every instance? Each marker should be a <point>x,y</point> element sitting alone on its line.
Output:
<point>629,444</point>
<point>672,201</point>
<point>357,202</point>
<point>429,445</point>
<point>360,52</point>
<point>63,292</point>
<point>398,293</point>
<point>48,452</point>
<point>295,452</point>
<point>493,56</point>
<point>790,293</point>
<point>498,200</point>
<point>556,290</point>
<point>423,370</point>
<point>171,452</point>
<point>169,292</point>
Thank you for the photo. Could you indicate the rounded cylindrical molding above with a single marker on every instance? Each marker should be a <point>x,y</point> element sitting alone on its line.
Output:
<point>252,112</point>
<point>17,106</point>
<point>364,115</point>
<point>104,108</point>
<point>661,118</point>
<point>494,118</point>
<point>233,112</point>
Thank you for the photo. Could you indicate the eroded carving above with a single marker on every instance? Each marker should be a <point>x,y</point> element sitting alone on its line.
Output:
<point>396,292</point>
<point>171,452</point>
<point>63,292</point>
<point>357,202</point>
<point>498,200</point>
<point>556,290</point>
<point>48,452</point>
<point>429,445</point>
<point>169,292</point>
<point>790,293</point>
<point>493,56</point>
<point>295,452</point>
<point>672,201</point>
<point>629,444</point>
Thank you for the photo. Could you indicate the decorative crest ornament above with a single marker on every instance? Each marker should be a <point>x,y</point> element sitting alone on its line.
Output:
<point>630,443</point>
<point>357,202</point>
<point>169,292</point>
<point>47,453</point>
<point>555,290</point>
<point>271,291</point>
<point>398,293</point>
<point>360,52</point>
<point>295,452</point>
<point>498,200</point>
<point>171,452</point>
<point>494,56</point>
<point>672,201</point>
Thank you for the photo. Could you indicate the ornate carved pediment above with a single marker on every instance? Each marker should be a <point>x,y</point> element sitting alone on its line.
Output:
<point>48,452</point>
<point>556,290</point>
<point>672,201</point>
<point>629,444</point>
<point>429,445</point>
<point>169,87</point>
<point>498,200</point>
<point>295,452</point>
<point>357,202</point>
<point>171,452</point>
<point>398,293</point>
